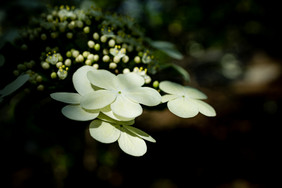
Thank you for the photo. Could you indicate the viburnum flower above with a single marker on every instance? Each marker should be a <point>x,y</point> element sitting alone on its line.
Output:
<point>82,85</point>
<point>124,93</point>
<point>130,139</point>
<point>185,101</point>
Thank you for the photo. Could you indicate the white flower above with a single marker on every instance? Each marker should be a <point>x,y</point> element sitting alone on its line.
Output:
<point>81,84</point>
<point>184,101</point>
<point>117,53</point>
<point>130,139</point>
<point>123,93</point>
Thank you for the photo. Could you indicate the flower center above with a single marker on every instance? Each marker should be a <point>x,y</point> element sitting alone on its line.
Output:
<point>119,92</point>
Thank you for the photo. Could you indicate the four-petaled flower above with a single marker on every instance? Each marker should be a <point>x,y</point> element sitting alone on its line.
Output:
<point>124,93</point>
<point>184,101</point>
<point>81,84</point>
<point>130,139</point>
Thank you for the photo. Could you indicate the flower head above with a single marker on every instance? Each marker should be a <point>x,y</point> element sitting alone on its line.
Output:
<point>184,101</point>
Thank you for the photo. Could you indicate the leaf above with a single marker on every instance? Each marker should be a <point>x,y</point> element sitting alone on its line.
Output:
<point>167,48</point>
<point>14,85</point>
<point>179,69</point>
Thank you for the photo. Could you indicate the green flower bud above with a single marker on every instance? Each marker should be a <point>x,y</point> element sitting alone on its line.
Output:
<point>97,47</point>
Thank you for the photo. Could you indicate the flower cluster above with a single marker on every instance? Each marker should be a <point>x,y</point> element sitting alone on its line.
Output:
<point>113,70</point>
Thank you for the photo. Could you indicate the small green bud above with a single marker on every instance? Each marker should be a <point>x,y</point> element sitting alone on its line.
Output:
<point>40,87</point>
<point>156,84</point>
<point>97,47</point>
<point>69,35</point>
<point>53,75</point>
<point>68,54</point>
<point>86,29</point>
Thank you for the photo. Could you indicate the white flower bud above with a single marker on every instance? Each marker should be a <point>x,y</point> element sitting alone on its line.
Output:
<point>96,66</point>
<point>54,35</point>
<point>85,54</point>
<point>38,78</point>
<point>96,57</point>
<point>59,64</point>
<point>103,38</point>
<point>112,43</point>
<point>91,44</point>
<point>49,18</point>
<point>147,79</point>
<point>71,25</point>
<point>45,65</point>
<point>69,35</point>
<point>79,23</point>
<point>75,53</point>
<point>88,62</point>
<point>95,36</point>
<point>125,59</point>
<point>68,62</point>
<point>112,65</point>
<point>116,59</point>
<point>90,57</point>
<point>126,70</point>
<point>40,87</point>
<point>106,58</point>
<point>137,59</point>
<point>86,29</point>
<point>79,58</point>
<point>105,51</point>
<point>43,36</point>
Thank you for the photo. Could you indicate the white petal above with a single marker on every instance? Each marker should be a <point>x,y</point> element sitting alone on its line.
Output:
<point>129,80</point>
<point>182,107</point>
<point>131,144</point>
<point>205,108</point>
<point>168,97</point>
<point>126,108</point>
<point>14,85</point>
<point>80,81</point>
<point>102,78</point>
<point>108,115</point>
<point>71,98</point>
<point>103,131</point>
<point>75,112</point>
<point>171,87</point>
<point>108,112</point>
<point>139,133</point>
<point>97,99</point>
<point>194,93</point>
<point>145,95</point>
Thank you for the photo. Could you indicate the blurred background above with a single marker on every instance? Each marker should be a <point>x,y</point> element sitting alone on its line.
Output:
<point>232,50</point>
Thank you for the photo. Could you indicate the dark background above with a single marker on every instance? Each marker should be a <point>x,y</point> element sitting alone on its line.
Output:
<point>236,149</point>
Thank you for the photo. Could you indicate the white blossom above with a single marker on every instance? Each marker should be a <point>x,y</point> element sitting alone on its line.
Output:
<point>185,101</point>
<point>130,139</point>
<point>124,93</point>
